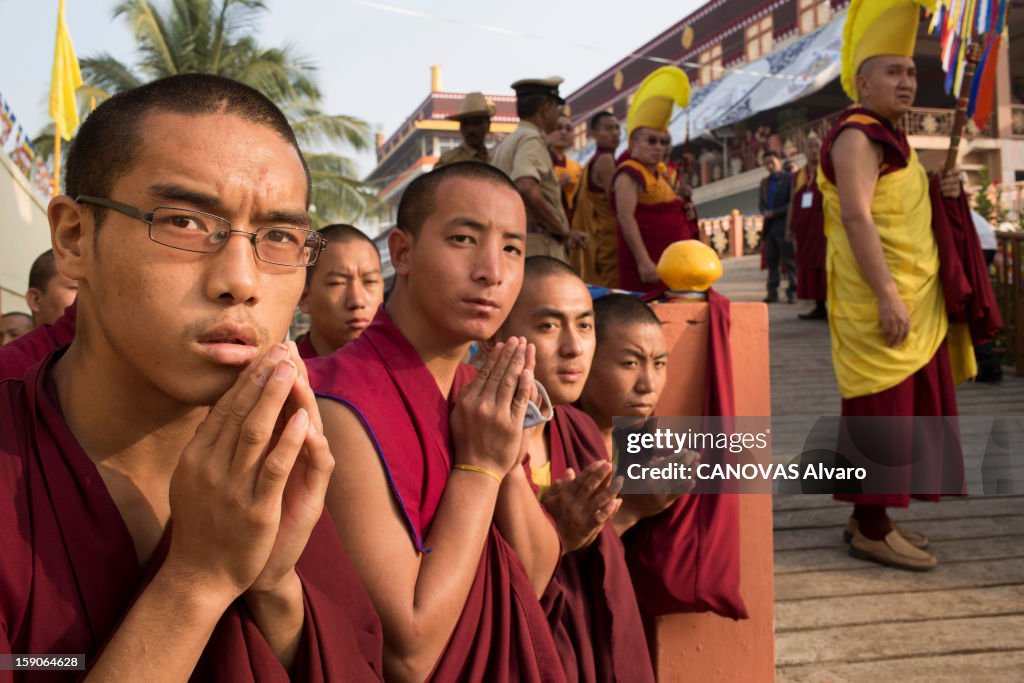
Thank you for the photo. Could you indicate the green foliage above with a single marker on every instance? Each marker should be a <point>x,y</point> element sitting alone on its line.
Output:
<point>986,199</point>
<point>218,37</point>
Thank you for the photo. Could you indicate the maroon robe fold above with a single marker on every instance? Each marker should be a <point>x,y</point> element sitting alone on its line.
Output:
<point>687,558</point>
<point>29,349</point>
<point>895,147</point>
<point>305,347</point>
<point>599,630</point>
<point>808,226</point>
<point>70,573</point>
<point>502,634</point>
<point>965,280</point>
<point>928,392</point>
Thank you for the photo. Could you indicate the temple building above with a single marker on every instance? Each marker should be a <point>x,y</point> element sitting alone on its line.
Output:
<point>420,141</point>
<point>765,75</point>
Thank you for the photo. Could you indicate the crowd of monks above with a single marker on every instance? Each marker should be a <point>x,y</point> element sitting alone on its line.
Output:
<point>186,495</point>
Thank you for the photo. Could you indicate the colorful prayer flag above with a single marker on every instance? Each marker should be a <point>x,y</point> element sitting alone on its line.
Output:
<point>24,154</point>
<point>959,23</point>
<point>6,123</point>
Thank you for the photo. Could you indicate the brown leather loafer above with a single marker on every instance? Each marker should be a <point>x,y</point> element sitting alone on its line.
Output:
<point>912,537</point>
<point>892,551</point>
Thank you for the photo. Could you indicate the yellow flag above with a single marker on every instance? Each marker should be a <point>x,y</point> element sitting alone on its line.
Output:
<point>65,80</point>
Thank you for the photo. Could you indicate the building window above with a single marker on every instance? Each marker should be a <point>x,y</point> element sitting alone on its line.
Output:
<point>759,38</point>
<point>442,145</point>
<point>579,135</point>
<point>710,64</point>
<point>814,13</point>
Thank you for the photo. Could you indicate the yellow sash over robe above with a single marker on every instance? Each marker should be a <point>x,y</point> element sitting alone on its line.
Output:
<point>597,263</point>
<point>901,210</point>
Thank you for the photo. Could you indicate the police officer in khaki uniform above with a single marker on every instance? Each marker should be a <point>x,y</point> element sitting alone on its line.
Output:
<point>524,156</point>
<point>474,119</point>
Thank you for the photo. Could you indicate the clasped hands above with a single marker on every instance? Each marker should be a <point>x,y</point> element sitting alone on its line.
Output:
<point>250,485</point>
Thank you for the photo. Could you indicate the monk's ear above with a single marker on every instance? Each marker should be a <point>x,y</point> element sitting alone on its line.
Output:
<point>304,300</point>
<point>400,244</point>
<point>33,297</point>
<point>68,235</point>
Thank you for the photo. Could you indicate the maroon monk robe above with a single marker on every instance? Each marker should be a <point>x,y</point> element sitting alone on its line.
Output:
<point>69,571</point>
<point>928,392</point>
<point>807,221</point>
<point>660,217</point>
<point>29,349</point>
<point>687,558</point>
<point>965,280</point>
<point>305,347</point>
<point>502,634</point>
<point>600,630</point>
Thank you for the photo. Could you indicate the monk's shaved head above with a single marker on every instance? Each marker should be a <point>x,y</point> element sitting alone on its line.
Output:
<point>341,233</point>
<point>109,142</point>
<point>419,199</point>
<point>621,309</point>
<point>44,268</point>
<point>544,266</point>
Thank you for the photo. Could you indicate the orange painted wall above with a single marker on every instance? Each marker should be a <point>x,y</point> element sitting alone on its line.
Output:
<point>707,647</point>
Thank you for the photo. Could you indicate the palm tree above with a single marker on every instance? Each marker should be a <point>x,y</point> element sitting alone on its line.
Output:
<point>215,36</point>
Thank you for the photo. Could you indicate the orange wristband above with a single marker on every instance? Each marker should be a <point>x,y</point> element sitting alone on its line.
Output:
<point>481,470</point>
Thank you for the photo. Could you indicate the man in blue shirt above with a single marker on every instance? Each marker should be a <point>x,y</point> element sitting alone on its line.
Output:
<point>774,206</point>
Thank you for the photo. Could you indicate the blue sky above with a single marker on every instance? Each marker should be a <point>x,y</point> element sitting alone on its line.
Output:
<point>373,62</point>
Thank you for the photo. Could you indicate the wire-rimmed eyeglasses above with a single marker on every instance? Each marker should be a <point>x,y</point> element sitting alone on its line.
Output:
<point>205,233</point>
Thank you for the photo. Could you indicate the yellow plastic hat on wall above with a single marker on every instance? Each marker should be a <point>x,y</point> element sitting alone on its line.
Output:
<point>878,27</point>
<point>652,102</point>
<point>689,265</point>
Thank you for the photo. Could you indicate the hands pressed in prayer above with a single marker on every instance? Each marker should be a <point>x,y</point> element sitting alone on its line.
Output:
<point>638,506</point>
<point>581,504</point>
<point>487,422</point>
<point>233,482</point>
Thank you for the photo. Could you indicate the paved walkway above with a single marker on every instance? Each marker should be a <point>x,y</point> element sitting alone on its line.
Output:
<point>838,619</point>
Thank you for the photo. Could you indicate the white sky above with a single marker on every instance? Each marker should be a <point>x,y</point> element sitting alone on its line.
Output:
<point>373,63</point>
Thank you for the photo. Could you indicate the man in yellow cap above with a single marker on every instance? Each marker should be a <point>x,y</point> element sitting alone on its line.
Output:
<point>649,212</point>
<point>886,310</point>
<point>525,158</point>
<point>474,119</point>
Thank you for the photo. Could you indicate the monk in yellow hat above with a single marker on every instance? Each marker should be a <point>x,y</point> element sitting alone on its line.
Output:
<point>886,310</point>
<point>649,212</point>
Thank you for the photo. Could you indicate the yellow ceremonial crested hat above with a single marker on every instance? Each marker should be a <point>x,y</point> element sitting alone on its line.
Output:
<point>878,27</point>
<point>652,102</point>
<point>689,265</point>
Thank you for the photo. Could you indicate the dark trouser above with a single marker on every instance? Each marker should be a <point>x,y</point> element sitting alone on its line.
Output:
<point>776,248</point>
<point>989,365</point>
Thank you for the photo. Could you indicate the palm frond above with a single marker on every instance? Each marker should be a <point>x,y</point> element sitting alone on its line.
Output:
<point>151,34</point>
<point>108,74</point>
<point>317,128</point>
<point>337,195</point>
<point>219,37</point>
